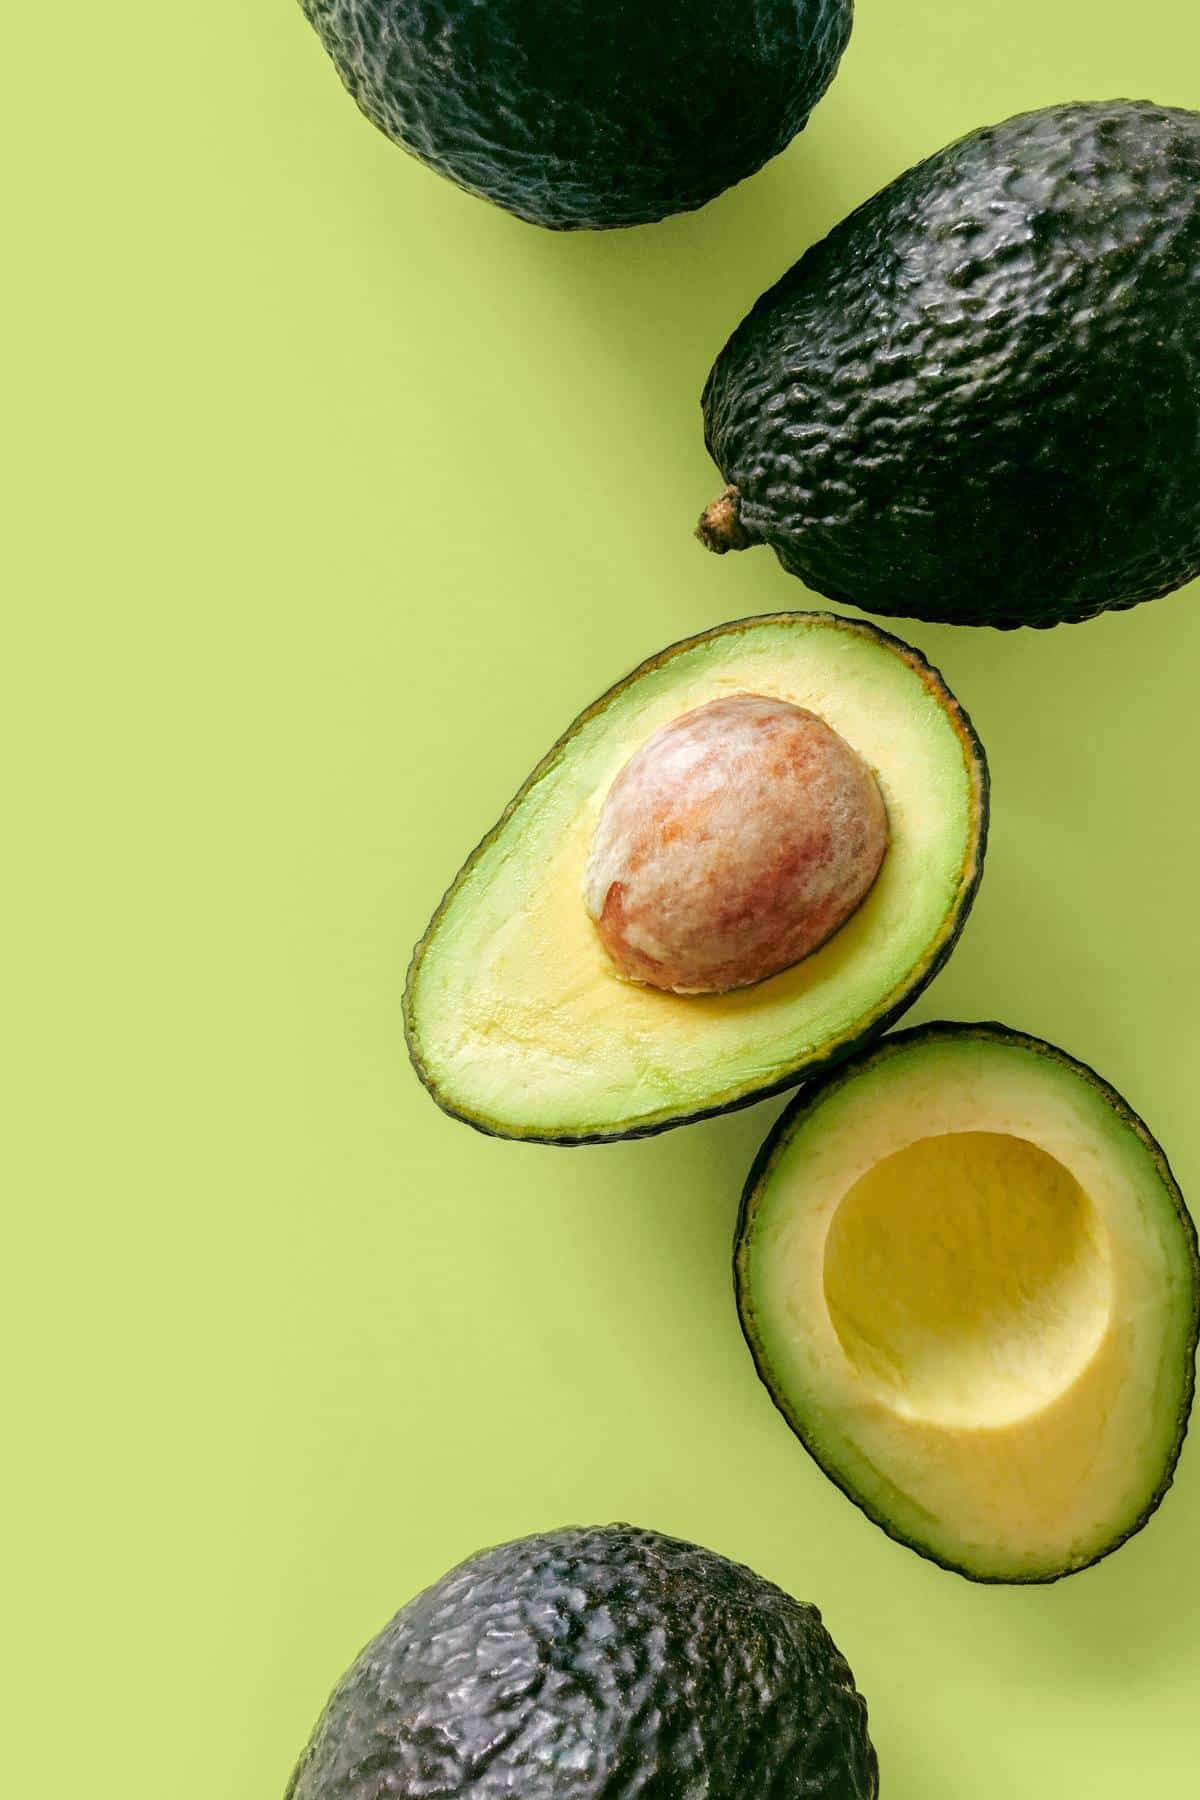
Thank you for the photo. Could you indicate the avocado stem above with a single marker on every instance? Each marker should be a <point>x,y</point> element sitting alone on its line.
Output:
<point>720,528</point>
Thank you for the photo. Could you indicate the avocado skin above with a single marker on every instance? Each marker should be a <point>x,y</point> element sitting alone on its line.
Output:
<point>837,1053</point>
<point>978,400</point>
<point>990,1031</point>
<point>587,113</point>
<point>598,1662</point>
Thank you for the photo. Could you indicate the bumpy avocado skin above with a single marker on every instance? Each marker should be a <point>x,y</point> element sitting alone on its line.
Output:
<point>942,1030</point>
<point>588,113</point>
<point>978,400</point>
<point>598,1662</point>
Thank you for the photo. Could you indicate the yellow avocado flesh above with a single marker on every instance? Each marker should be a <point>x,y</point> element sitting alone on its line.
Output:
<point>517,1020</point>
<point>971,1287</point>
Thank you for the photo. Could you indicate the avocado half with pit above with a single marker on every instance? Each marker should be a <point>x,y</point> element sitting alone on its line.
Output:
<point>970,1284</point>
<point>544,1001</point>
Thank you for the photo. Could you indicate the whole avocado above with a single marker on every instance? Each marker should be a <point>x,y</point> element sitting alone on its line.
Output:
<point>588,113</point>
<point>978,400</point>
<point>602,1662</point>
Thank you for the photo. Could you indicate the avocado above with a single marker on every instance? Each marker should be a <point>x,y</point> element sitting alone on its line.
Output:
<point>595,1664</point>
<point>970,1284</point>
<point>587,113</point>
<point>517,1019</point>
<point>978,400</point>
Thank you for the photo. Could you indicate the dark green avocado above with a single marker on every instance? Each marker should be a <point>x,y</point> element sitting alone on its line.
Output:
<point>595,1663</point>
<point>970,1284</point>
<point>588,113</point>
<point>978,400</point>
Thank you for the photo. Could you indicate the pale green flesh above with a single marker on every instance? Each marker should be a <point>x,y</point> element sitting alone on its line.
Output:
<point>517,1019</point>
<point>998,1369</point>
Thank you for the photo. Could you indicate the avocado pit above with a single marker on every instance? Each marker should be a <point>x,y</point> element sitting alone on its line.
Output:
<point>733,844</point>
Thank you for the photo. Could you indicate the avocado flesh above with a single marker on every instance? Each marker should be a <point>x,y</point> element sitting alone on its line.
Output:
<point>978,400</point>
<point>595,1664</point>
<point>516,1019</point>
<point>970,1284</point>
<point>587,113</point>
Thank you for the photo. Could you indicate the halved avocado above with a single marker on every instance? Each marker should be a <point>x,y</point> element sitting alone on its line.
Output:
<point>971,1286</point>
<point>518,1023</point>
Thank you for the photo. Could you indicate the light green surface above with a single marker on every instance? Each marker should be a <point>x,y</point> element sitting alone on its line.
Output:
<point>335,495</point>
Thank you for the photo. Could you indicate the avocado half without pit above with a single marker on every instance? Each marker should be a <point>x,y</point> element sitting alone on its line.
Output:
<point>970,1284</point>
<point>595,1664</point>
<point>741,862</point>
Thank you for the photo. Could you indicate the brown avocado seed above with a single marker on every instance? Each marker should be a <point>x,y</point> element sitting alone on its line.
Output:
<point>733,844</point>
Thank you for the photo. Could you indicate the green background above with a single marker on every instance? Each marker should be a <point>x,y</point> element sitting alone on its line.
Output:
<point>335,493</point>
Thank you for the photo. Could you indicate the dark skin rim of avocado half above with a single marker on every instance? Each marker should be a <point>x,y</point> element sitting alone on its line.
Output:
<point>892,1006</point>
<point>941,1031</point>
